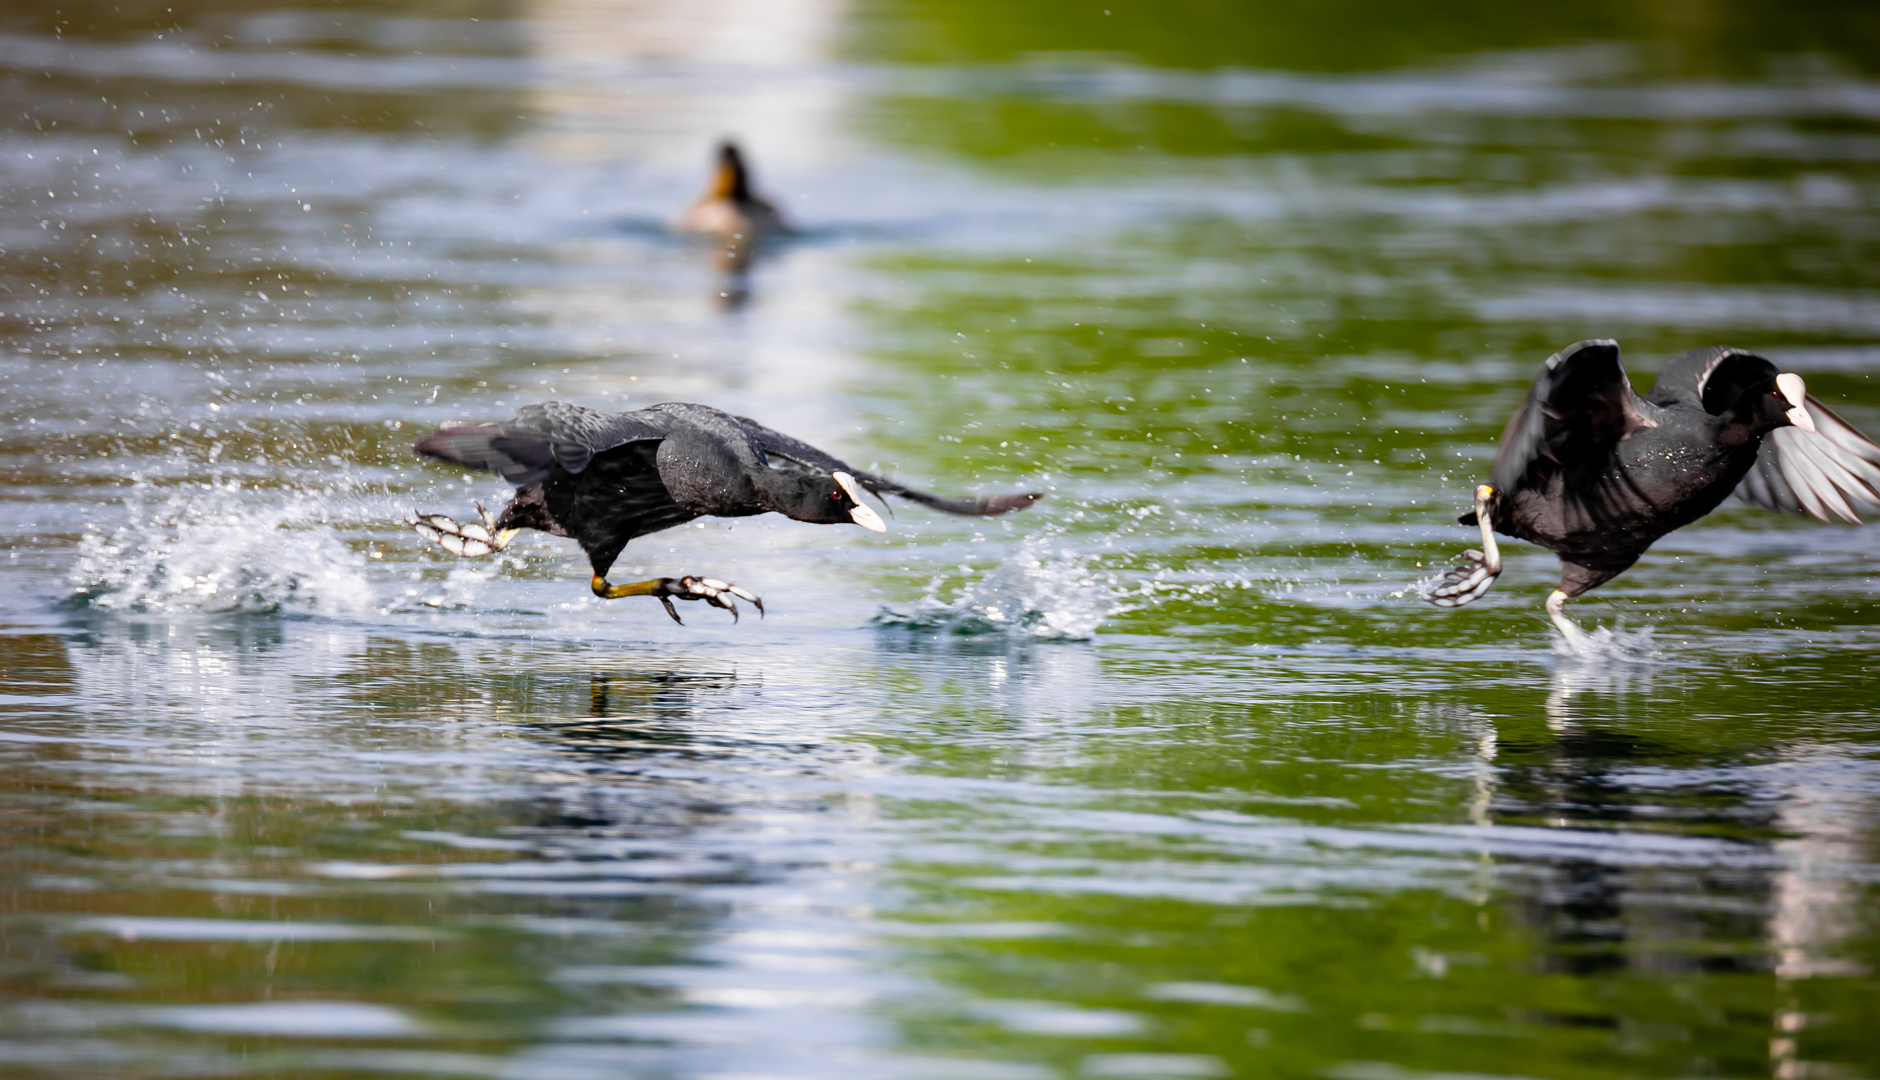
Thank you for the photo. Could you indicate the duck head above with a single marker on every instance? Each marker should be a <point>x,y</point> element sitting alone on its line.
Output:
<point>730,180</point>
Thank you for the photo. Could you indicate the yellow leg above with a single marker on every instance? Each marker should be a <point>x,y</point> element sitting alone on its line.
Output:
<point>1491,553</point>
<point>714,592</point>
<point>634,588</point>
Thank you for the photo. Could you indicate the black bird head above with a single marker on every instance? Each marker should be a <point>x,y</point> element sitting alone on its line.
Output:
<point>826,499</point>
<point>1752,397</point>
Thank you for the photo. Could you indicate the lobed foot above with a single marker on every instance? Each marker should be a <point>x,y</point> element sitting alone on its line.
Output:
<point>1472,578</point>
<point>718,594</point>
<point>463,541</point>
<point>1464,582</point>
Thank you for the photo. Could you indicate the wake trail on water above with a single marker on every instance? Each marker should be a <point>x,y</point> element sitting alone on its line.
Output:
<point>219,547</point>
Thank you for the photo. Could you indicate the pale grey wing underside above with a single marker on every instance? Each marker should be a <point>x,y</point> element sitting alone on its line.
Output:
<point>1836,470</point>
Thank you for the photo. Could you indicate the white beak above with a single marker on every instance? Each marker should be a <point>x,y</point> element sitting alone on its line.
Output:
<point>861,514</point>
<point>1796,394</point>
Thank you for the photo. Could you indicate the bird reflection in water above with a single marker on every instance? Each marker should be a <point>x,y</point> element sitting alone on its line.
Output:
<point>736,222</point>
<point>634,712</point>
<point>1598,674</point>
<point>652,695</point>
<point>614,781</point>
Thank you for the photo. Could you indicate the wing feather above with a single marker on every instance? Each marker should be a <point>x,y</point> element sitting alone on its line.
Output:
<point>1834,469</point>
<point>525,450</point>
<point>575,433</point>
<point>777,444</point>
<point>1580,407</point>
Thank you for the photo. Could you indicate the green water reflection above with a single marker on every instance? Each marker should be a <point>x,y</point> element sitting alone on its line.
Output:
<point>1729,39</point>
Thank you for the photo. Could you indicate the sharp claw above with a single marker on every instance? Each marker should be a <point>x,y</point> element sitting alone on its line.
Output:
<point>672,611</point>
<point>711,590</point>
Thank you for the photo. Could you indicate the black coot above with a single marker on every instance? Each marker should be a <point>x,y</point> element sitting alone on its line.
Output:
<point>606,478</point>
<point>1596,473</point>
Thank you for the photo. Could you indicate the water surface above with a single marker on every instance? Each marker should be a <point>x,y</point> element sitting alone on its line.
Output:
<point>1163,778</point>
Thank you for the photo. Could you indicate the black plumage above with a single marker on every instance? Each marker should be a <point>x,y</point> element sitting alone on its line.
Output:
<point>604,479</point>
<point>1596,473</point>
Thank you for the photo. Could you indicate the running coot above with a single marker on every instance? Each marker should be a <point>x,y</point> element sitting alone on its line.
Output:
<point>1596,473</point>
<point>605,478</point>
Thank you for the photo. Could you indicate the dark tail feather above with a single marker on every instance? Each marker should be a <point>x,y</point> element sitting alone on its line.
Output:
<point>986,506</point>
<point>521,458</point>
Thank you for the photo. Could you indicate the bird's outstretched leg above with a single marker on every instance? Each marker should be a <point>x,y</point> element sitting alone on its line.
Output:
<point>1471,579</point>
<point>714,592</point>
<point>1556,605</point>
<point>463,541</point>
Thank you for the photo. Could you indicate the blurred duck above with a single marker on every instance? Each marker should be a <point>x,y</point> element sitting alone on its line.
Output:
<point>729,209</point>
<point>1596,473</point>
<point>604,479</point>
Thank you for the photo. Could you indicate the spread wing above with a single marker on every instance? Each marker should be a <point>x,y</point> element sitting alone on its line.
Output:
<point>1836,469</point>
<point>525,450</point>
<point>1580,407</point>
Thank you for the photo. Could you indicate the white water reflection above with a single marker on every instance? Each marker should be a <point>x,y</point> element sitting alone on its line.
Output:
<point>661,81</point>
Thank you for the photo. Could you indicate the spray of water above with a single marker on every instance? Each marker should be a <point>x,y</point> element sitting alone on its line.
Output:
<point>219,548</point>
<point>1039,593</point>
<point>1611,644</point>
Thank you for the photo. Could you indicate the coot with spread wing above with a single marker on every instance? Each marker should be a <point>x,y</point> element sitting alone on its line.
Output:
<point>1596,473</point>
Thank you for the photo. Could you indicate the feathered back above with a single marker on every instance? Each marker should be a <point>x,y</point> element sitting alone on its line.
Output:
<point>526,450</point>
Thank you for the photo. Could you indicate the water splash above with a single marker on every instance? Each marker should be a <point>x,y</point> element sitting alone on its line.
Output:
<point>461,586</point>
<point>1036,593</point>
<point>1611,644</point>
<point>219,548</point>
<point>1424,588</point>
